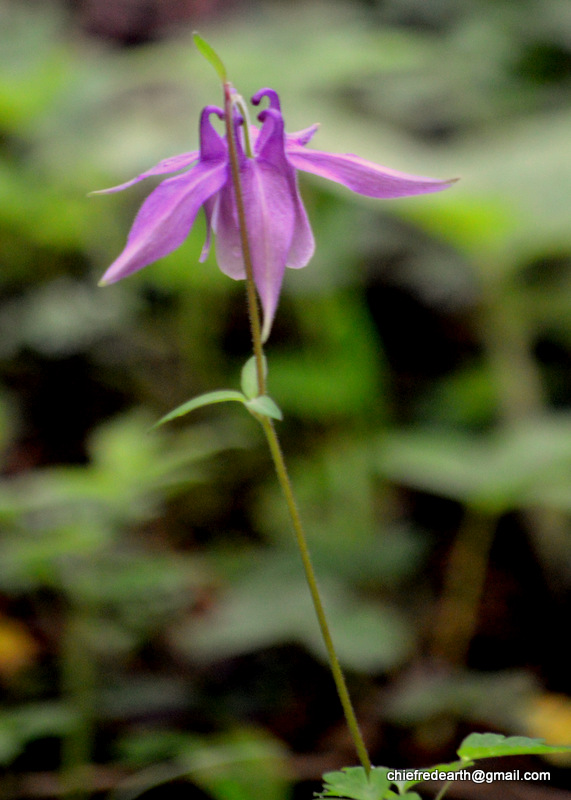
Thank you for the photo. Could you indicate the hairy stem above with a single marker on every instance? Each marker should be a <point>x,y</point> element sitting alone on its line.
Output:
<point>276,451</point>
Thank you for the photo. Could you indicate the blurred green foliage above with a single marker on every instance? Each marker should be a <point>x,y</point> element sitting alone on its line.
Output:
<point>421,361</point>
<point>353,783</point>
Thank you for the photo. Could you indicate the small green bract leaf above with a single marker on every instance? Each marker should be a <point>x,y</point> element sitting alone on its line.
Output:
<point>221,396</point>
<point>352,783</point>
<point>489,745</point>
<point>265,406</point>
<point>211,56</point>
<point>249,380</point>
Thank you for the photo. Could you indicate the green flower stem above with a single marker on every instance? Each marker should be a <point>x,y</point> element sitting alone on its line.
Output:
<point>443,790</point>
<point>277,455</point>
<point>338,677</point>
<point>253,312</point>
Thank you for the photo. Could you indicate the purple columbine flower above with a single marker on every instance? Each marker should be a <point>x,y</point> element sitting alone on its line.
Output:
<point>279,233</point>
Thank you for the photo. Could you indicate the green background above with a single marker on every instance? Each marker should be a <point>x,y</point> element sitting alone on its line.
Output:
<point>153,618</point>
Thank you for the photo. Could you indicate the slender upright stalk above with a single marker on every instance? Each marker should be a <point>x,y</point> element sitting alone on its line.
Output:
<point>338,677</point>
<point>253,312</point>
<point>276,451</point>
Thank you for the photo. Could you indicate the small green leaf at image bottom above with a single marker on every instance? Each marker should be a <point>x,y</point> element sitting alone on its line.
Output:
<point>353,783</point>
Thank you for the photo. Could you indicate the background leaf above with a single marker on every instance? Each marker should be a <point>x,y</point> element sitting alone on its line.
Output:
<point>491,745</point>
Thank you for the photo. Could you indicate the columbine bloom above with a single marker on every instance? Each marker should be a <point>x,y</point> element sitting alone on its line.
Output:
<point>279,233</point>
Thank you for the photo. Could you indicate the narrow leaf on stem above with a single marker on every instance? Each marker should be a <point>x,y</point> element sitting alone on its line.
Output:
<point>220,396</point>
<point>210,55</point>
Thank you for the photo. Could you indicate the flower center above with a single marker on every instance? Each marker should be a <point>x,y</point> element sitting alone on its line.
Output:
<point>238,101</point>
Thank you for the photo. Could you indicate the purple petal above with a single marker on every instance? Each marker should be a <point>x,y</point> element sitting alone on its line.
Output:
<point>209,211</point>
<point>271,142</point>
<point>270,219</point>
<point>364,177</point>
<point>272,96</point>
<point>270,117</point>
<point>272,151</point>
<point>212,145</point>
<point>172,164</point>
<point>254,132</point>
<point>228,244</point>
<point>302,137</point>
<point>302,243</point>
<point>166,217</point>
